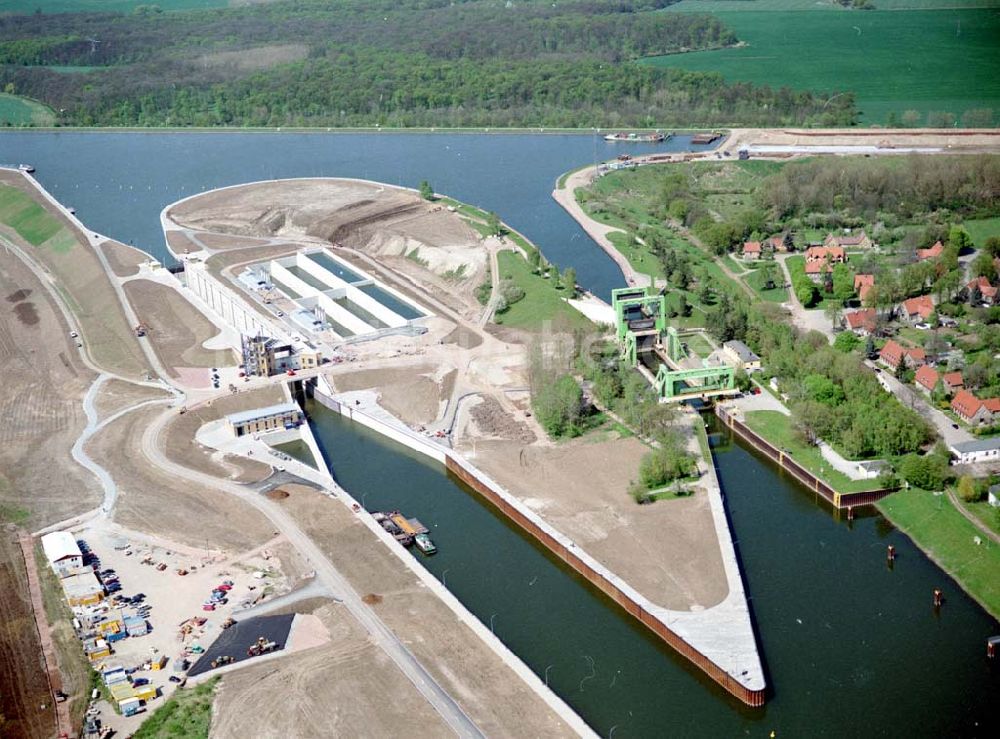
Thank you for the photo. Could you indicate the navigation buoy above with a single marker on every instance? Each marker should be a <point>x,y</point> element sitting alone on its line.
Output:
<point>850,513</point>
<point>938,597</point>
<point>890,553</point>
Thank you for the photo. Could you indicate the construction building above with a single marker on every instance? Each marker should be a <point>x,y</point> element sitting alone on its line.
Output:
<point>63,553</point>
<point>262,420</point>
<point>96,649</point>
<point>83,589</point>
<point>264,356</point>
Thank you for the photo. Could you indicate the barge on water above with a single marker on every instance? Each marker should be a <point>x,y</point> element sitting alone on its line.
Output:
<point>407,531</point>
<point>637,138</point>
<point>706,138</point>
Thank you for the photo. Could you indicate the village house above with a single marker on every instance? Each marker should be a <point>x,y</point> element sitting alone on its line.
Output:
<point>918,310</point>
<point>740,356</point>
<point>974,411</point>
<point>863,285</point>
<point>893,354</point>
<point>849,241</point>
<point>932,252</point>
<point>952,382</point>
<point>752,250</point>
<point>977,450</point>
<point>861,322</point>
<point>987,293</point>
<point>781,243</point>
<point>926,378</point>
<point>820,260</point>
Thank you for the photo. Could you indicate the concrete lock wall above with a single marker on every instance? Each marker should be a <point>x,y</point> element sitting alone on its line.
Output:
<point>550,538</point>
<point>224,302</point>
<point>833,497</point>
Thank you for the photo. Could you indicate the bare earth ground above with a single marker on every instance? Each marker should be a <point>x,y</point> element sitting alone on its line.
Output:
<point>347,688</point>
<point>178,329</point>
<point>180,243</point>
<point>110,340</point>
<point>497,701</point>
<point>974,141</point>
<point>225,241</point>
<point>44,382</point>
<point>115,395</point>
<point>124,259</point>
<point>180,444</point>
<point>667,550</point>
<point>405,232</point>
<point>152,501</point>
<point>412,393</point>
<point>25,702</point>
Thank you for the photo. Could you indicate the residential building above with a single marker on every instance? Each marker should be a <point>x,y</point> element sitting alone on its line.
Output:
<point>918,310</point>
<point>740,356</point>
<point>952,382</point>
<point>861,322</point>
<point>972,410</point>
<point>893,354</point>
<point>926,378</point>
<point>261,420</point>
<point>63,553</point>
<point>993,496</point>
<point>977,450</point>
<point>752,250</point>
<point>988,293</point>
<point>831,254</point>
<point>863,285</point>
<point>849,241</point>
<point>932,252</point>
<point>780,243</point>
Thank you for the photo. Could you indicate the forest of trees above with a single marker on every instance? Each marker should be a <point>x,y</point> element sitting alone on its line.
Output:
<point>407,63</point>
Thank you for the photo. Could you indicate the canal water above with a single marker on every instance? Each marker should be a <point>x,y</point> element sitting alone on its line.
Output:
<point>850,646</point>
<point>119,182</point>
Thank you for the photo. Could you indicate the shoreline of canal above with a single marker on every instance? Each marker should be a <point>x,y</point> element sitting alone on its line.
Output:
<point>725,631</point>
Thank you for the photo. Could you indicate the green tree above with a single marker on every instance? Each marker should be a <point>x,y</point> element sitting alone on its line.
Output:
<point>846,342</point>
<point>843,282</point>
<point>535,260</point>
<point>557,406</point>
<point>968,490</point>
<point>426,191</point>
<point>493,224</point>
<point>959,239</point>
<point>569,281</point>
<point>683,307</point>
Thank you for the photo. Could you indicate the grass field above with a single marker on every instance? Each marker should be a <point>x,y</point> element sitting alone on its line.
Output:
<point>19,111</point>
<point>776,427</point>
<point>108,6</point>
<point>775,294</point>
<point>893,60</point>
<point>982,229</point>
<point>187,714</point>
<point>947,537</point>
<point>541,301</point>
<point>28,218</point>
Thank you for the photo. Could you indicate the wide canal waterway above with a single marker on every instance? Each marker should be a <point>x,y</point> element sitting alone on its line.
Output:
<point>851,647</point>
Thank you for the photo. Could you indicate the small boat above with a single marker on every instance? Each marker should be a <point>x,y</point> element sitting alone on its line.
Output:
<point>647,138</point>
<point>26,168</point>
<point>424,544</point>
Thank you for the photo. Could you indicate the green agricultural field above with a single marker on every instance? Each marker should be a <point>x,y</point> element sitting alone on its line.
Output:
<point>948,538</point>
<point>541,301</point>
<point>27,217</point>
<point>898,60</point>
<point>109,6</point>
<point>19,111</point>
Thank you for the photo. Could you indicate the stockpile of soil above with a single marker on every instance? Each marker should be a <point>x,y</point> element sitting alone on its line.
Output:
<point>492,420</point>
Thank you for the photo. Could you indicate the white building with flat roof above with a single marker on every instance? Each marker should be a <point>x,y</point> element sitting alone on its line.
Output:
<point>62,552</point>
<point>262,420</point>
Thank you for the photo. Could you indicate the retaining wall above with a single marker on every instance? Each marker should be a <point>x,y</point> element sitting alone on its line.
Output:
<point>563,547</point>
<point>800,473</point>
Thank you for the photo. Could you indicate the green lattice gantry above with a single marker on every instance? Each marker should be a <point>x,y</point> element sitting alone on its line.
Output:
<point>641,315</point>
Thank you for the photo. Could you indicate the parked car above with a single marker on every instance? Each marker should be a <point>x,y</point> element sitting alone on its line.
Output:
<point>174,679</point>
<point>138,681</point>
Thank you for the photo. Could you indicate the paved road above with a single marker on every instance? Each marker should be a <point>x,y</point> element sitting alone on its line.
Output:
<point>912,398</point>
<point>445,705</point>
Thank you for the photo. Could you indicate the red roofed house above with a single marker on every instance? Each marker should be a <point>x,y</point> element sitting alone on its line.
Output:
<point>986,290</point>
<point>861,322</point>
<point>863,285</point>
<point>779,243</point>
<point>820,260</point>
<point>972,410</point>
<point>932,253</point>
<point>919,309</point>
<point>859,241</point>
<point>751,249</point>
<point>892,353</point>
<point>952,381</point>
<point>926,378</point>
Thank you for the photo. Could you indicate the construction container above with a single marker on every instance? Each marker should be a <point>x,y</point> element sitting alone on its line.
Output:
<point>130,706</point>
<point>159,663</point>
<point>145,692</point>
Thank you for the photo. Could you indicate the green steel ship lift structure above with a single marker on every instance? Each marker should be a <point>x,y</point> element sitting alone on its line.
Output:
<point>641,327</point>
